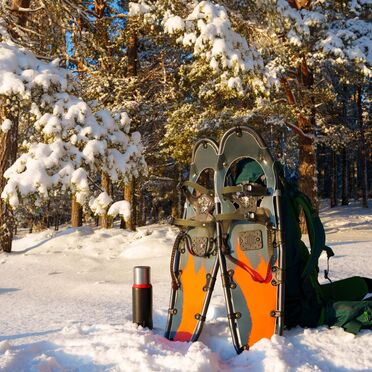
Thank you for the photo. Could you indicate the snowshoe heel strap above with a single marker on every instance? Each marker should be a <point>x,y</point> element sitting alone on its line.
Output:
<point>197,187</point>
<point>261,218</point>
<point>192,223</point>
<point>247,189</point>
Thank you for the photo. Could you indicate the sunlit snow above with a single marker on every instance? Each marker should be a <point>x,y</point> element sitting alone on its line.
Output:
<point>66,306</point>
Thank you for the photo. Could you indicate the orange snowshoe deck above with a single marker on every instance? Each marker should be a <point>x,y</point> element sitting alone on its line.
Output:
<point>251,257</point>
<point>194,259</point>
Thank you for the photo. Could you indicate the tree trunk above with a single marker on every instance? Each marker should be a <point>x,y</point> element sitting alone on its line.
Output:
<point>351,179</point>
<point>322,174</point>
<point>321,183</point>
<point>333,199</point>
<point>174,211</point>
<point>76,213</point>
<point>141,217</point>
<point>129,189</point>
<point>180,201</point>
<point>132,55</point>
<point>174,207</point>
<point>307,175</point>
<point>56,222</point>
<point>345,179</point>
<point>8,155</point>
<point>129,195</point>
<point>122,221</point>
<point>307,157</point>
<point>105,220</point>
<point>362,149</point>
<point>143,211</point>
<point>307,170</point>
<point>305,128</point>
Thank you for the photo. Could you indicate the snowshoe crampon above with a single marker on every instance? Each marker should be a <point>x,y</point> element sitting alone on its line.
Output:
<point>250,251</point>
<point>194,263</point>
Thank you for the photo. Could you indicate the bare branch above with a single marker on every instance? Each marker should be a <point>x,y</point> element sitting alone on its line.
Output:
<point>25,29</point>
<point>81,67</point>
<point>95,184</point>
<point>300,132</point>
<point>25,10</point>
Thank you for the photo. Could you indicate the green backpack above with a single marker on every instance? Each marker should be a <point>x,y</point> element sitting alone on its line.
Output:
<point>307,303</point>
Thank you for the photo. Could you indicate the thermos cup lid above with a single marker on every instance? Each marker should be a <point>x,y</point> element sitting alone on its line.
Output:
<point>141,275</point>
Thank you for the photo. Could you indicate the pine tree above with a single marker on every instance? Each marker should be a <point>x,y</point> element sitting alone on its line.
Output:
<point>9,114</point>
<point>67,141</point>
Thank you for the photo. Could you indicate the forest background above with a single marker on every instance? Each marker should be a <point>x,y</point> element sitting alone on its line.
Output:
<point>102,101</point>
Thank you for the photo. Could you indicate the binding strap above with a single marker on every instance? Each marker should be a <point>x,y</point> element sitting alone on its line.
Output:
<point>256,276</point>
<point>192,223</point>
<point>197,187</point>
<point>330,254</point>
<point>249,189</point>
<point>261,218</point>
<point>175,281</point>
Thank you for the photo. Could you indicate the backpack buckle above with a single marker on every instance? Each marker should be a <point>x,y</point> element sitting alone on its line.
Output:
<point>276,313</point>
<point>278,276</point>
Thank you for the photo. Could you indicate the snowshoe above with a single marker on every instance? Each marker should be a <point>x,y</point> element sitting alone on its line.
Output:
<point>194,263</point>
<point>248,236</point>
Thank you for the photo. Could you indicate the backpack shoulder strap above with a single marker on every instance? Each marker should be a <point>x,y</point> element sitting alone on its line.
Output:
<point>316,233</point>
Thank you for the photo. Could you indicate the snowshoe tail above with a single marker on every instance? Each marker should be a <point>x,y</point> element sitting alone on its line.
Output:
<point>248,235</point>
<point>194,263</point>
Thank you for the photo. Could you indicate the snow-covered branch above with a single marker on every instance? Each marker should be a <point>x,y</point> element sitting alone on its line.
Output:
<point>69,140</point>
<point>208,32</point>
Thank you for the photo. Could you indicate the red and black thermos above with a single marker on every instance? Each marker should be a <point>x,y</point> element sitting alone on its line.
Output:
<point>142,296</point>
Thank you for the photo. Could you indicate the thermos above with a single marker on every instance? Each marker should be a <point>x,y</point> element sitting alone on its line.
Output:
<point>142,296</point>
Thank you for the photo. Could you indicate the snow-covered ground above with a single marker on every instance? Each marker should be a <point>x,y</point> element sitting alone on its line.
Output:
<point>66,306</point>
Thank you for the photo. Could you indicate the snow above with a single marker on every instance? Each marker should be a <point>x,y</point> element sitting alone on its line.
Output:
<point>207,30</point>
<point>350,41</point>
<point>20,71</point>
<point>136,9</point>
<point>342,38</point>
<point>6,125</point>
<point>122,208</point>
<point>99,204</point>
<point>174,24</point>
<point>125,121</point>
<point>71,138</point>
<point>79,182</point>
<point>66,305</point>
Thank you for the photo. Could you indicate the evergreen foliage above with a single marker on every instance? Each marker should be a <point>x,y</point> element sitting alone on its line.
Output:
<point>297,71</point>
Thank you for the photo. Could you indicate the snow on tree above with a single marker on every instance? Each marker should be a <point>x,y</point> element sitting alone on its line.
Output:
<point>207,31</point>
<point>216,67</point>
<point>327,41</point>
<point>341,33</point>
<point>121,208</point>
<point>68,140</point>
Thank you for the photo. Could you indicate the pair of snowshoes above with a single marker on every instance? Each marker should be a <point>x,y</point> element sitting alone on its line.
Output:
<point>231,224</point>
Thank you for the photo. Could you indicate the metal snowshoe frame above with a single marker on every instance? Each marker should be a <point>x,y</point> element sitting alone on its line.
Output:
<point>237,143</point>
<point>241,143</point>
<point>198,215</point>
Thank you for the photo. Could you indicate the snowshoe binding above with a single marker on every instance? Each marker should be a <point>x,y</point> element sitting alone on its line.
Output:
<point>248,236</point>
<point>194,263</point>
